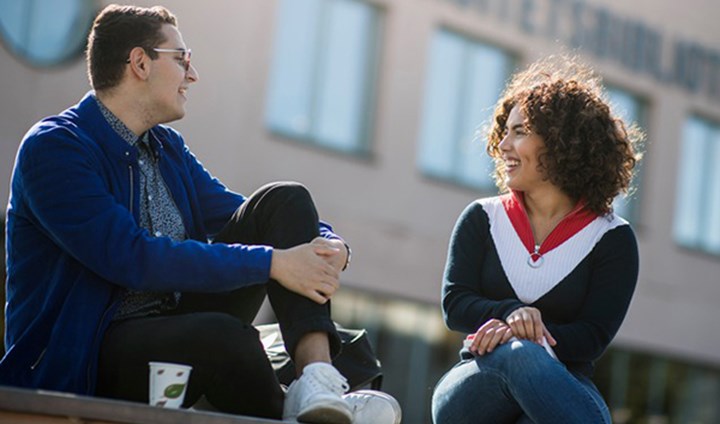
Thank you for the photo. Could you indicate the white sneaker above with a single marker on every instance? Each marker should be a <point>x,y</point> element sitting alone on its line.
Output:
<point>316,397</point>
<point>373,407</point>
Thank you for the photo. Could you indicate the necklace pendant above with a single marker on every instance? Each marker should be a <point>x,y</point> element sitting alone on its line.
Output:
<point>535,263</point>
<point>535,260</point>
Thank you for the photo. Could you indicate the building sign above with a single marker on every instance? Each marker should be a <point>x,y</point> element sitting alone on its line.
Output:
<point>600,32</point>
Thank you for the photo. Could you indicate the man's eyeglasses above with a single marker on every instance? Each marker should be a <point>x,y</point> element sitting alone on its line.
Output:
<point>185,60</point>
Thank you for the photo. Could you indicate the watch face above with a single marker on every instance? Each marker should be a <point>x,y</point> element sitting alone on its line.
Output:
<point>46,32</point>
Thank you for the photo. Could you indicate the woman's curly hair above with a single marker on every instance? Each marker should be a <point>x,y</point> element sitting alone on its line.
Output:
<point>589,152</point>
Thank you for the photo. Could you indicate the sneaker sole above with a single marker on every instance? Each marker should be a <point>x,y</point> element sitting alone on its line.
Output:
<point>325,415</point>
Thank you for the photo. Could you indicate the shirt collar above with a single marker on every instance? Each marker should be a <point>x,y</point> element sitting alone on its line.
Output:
<point>120,128</point>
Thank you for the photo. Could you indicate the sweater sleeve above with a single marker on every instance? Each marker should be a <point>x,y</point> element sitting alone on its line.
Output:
<point>614,272</point>
<point>465,309</point>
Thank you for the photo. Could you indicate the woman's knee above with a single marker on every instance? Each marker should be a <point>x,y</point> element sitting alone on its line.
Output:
<point>521,352</point>
<point>522,361</point>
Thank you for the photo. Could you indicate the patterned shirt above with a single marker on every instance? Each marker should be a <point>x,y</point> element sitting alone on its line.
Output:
<point>158,214</point>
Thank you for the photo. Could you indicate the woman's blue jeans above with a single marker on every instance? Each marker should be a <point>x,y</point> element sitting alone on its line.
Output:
<point>516,383</point>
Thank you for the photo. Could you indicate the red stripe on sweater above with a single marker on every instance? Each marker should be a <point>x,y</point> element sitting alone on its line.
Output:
<point>570,225</point>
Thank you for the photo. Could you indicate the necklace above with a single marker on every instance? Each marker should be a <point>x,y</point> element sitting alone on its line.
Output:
<point>561,231</point>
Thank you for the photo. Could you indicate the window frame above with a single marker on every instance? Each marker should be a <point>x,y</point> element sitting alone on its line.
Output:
<point>634,203</point>
<point>362,149</point>
<point>711,143</point>
<point>469,43</point>
<point>75,39</point>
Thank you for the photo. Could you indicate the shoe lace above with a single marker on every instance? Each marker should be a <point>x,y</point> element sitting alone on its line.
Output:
<point>329,379</point>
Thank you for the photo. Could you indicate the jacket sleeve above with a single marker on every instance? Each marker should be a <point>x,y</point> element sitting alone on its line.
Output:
<point>326,231</point>
<point>69,199</point>
<point>614,272</point>
<point>465,308</point>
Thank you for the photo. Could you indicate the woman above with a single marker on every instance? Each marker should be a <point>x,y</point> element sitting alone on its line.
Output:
<point>541,277</point>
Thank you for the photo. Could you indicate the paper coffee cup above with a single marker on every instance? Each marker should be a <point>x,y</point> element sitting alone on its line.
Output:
<point>168,383</point>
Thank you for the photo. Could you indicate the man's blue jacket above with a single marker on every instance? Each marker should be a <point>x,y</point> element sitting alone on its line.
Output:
<point>74,244</point>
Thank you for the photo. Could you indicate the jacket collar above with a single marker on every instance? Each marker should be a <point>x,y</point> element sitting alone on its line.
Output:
<point>88,112</point>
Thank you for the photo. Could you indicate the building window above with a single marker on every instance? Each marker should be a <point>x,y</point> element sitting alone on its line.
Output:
<point>647,387</point>
<point>323,72</point>
<point>46,32</point>
<point>698,197</point>
<point>465,78</point>
<point>632,111</point>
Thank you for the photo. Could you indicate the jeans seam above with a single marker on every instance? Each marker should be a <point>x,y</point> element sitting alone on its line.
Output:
<point>587,390</point>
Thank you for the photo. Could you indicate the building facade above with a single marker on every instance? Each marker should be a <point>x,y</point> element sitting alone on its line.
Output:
<point>378,106</point>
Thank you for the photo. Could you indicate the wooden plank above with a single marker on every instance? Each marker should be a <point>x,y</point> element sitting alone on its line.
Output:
<point>56,407</point>
<point>24,418</point>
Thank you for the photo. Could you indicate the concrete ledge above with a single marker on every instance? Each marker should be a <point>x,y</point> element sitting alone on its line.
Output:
<point>45,407</point>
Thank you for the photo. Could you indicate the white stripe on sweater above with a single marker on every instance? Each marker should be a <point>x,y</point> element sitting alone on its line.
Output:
<point>529,283</point>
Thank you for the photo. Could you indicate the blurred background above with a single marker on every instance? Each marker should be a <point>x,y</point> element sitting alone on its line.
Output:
<point>376,106</point>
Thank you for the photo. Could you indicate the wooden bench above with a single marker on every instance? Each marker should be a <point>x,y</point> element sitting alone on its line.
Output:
<point>20,406</point>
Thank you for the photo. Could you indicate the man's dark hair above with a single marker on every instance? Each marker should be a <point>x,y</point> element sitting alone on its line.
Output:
<point>116,31</point>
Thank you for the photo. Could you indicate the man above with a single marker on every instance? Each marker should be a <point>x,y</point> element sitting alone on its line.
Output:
<point>109,262</point>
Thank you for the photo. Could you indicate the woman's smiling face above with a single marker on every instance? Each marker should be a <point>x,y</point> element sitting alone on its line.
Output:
<point>520,150</point>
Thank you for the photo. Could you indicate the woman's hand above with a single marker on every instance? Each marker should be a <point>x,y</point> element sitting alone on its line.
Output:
<point>526,323</point>
<point>491,334</point>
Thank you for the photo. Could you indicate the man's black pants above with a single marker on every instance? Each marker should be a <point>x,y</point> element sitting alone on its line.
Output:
<point>212,332</point>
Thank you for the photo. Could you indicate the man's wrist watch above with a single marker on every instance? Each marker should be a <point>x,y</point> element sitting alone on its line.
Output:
<point>349,255</point>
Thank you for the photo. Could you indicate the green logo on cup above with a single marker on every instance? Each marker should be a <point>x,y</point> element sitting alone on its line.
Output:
<point>174,391</point>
